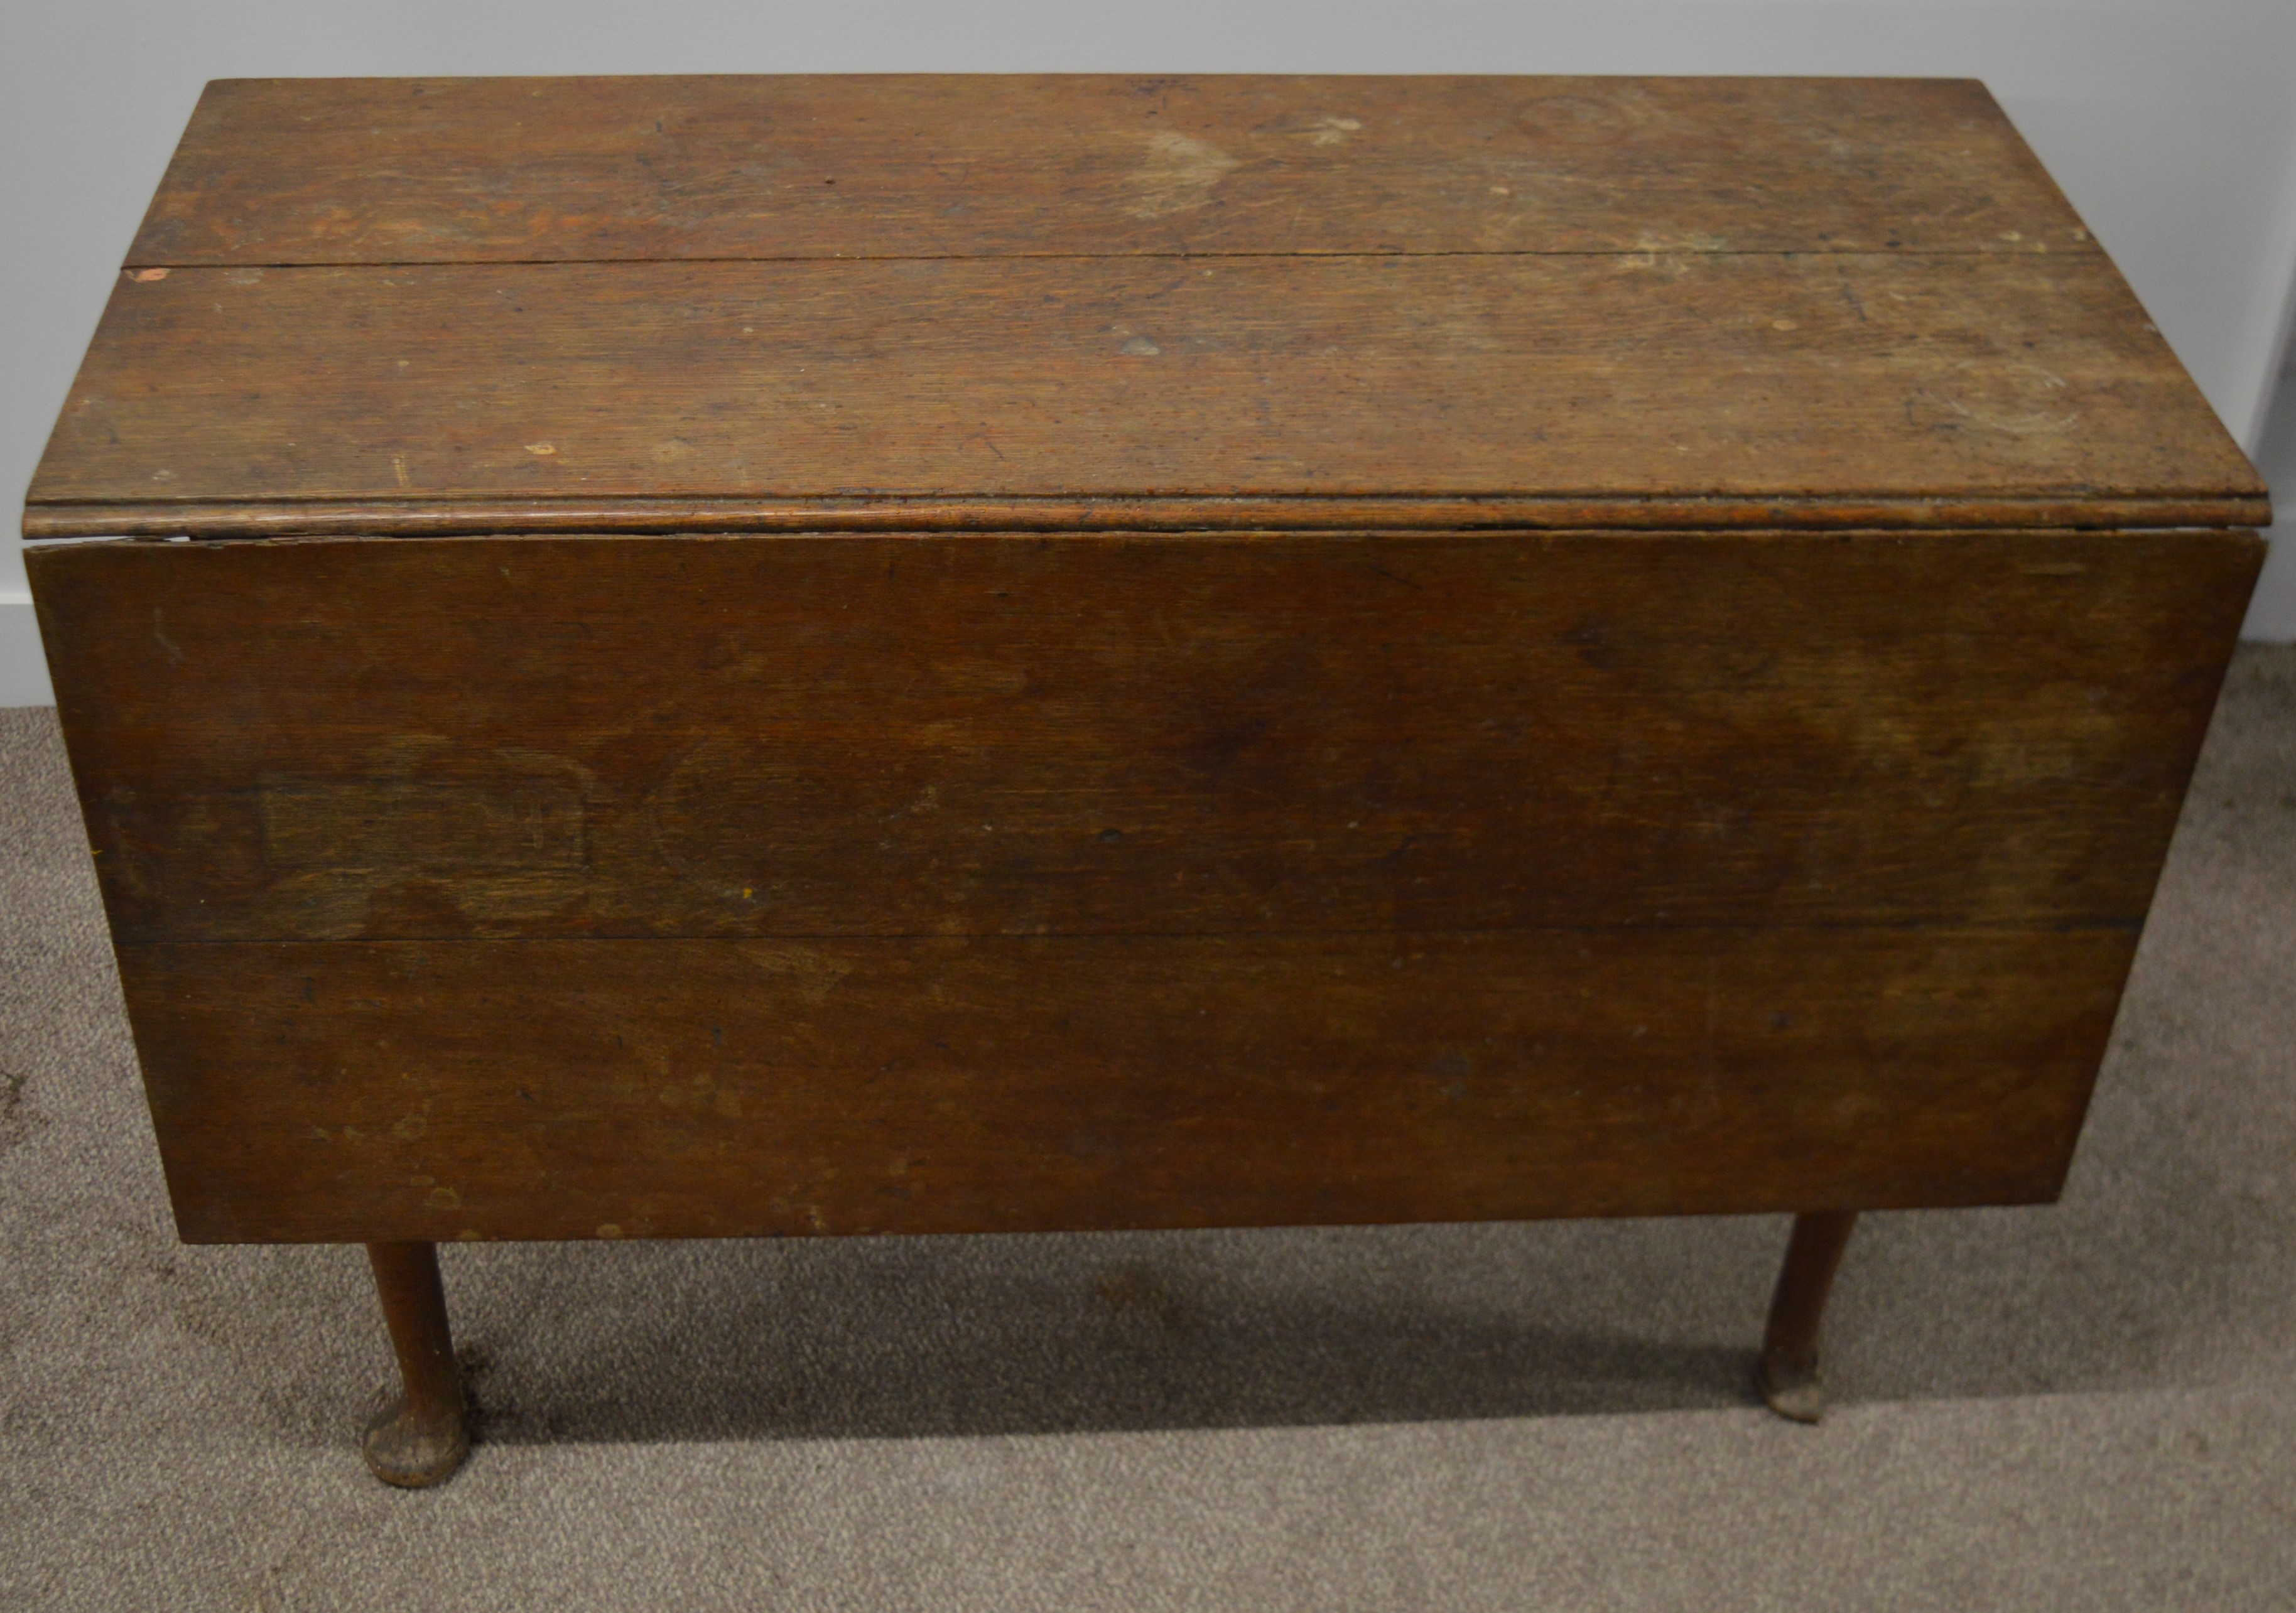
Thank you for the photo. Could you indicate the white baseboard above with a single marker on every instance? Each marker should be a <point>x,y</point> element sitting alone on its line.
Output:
<point>24,669</point>
<point>2272,613</point>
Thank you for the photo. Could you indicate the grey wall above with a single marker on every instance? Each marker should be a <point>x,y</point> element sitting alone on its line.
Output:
<point>2272,613</point>
<point>2170,123</point>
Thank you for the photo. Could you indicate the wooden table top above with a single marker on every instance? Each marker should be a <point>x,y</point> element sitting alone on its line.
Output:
<point>508,304</point>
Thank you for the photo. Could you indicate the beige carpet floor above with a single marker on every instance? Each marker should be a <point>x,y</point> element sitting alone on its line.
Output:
<point>2090,1406</point>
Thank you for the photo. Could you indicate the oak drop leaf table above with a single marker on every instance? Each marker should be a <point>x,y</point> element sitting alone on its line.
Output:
<point>664,657</point>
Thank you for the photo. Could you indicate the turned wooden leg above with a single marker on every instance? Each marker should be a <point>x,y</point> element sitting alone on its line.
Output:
<point>420,1438</point>
<point>1791,1379</point>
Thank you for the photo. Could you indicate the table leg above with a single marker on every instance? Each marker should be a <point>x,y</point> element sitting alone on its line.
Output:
<point>419,1440</point>
<point>1791,1379</point>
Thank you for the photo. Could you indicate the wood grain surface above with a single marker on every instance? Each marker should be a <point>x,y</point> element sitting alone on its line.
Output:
<point>447,170</point>
<point>480,517</point>
<point>364,1091</point>
<point>1611,379</point>
<point>541,737</point>
<point>1275,650</point>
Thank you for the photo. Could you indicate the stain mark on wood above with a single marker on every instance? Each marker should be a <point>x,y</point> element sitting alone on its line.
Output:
<point>1178,175</point>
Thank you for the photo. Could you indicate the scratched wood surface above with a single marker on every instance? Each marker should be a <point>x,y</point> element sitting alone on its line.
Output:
<point>359,1091</point>
<point>846,735</point>
<point>1716,594</point>
<point>1750,375</point>
<point>400,303</point>
<point>690,886</point>
<point>462,170</point>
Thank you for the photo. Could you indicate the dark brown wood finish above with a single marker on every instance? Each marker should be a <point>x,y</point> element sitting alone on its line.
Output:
<point>1967,377</point>
<point>422,1436</point>
<point>469,517</point>
<point>603,1089</point>
<point>681,736</point>
<point>522,302</point>
<point>1791,1378</point>
<point>1705,789</point>
<point>415,170</point>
